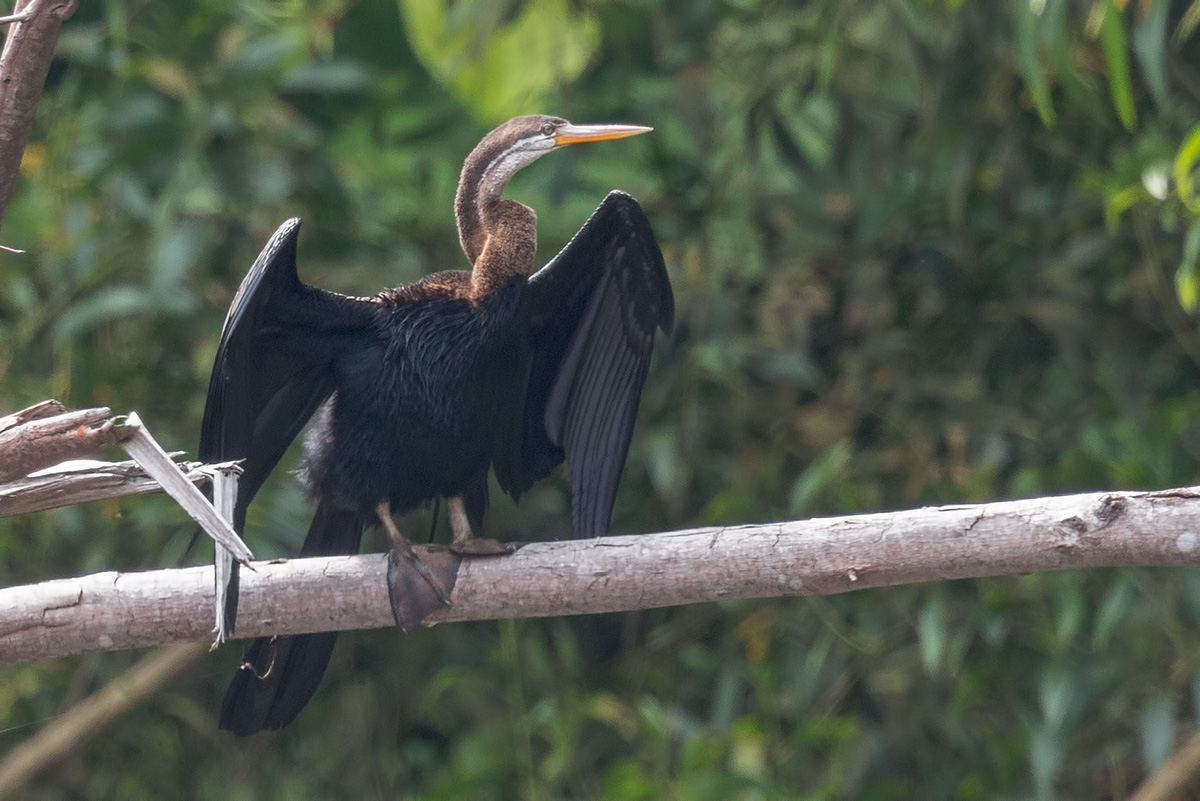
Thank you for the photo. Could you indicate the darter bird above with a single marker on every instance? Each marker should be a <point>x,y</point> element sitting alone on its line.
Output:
<point>419,390</point>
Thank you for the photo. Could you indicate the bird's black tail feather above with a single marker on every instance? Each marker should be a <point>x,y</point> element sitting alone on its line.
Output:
<point>280,674</point>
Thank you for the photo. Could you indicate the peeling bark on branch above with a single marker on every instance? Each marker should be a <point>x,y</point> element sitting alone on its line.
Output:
<point>32,440</point>
<point>88,481</point>
<point>46,408</point>
<point>110,611</point>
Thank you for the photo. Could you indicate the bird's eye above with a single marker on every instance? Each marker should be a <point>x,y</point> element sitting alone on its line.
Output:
<point>547,129</point>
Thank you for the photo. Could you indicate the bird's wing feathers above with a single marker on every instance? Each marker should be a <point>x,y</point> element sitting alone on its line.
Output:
<point>273,365</point>
<point>593,312</point>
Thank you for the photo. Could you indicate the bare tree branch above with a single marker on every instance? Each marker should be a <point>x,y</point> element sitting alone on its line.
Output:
<point>44,434</point>
<point>24,63</point>
<point>110,611</point>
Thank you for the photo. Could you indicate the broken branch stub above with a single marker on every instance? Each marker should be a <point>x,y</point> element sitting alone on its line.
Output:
<point>150,455</point>
<point>37,442</point>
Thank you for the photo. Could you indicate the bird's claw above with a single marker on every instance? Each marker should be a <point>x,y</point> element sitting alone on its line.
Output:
<point>419,584</point>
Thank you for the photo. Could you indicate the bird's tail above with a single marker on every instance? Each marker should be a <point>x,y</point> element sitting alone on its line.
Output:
<point>279,675</point>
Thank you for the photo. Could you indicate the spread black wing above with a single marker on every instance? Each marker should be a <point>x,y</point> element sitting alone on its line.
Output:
<point>593,311</point>
<point>274,365</point>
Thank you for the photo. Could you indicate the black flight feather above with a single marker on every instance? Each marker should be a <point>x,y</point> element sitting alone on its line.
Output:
<point>593,311</point>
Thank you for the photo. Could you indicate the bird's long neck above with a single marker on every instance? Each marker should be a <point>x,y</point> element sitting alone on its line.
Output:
<point>499,236</point>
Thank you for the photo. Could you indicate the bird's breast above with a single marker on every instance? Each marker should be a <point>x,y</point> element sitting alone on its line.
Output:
<point>412,415</point>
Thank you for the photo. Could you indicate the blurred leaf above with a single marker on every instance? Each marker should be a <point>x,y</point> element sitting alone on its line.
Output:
<point>169,78</point>
<point>1029,61</point>
<point>1045,761</point>
<point>1186,161</point>
<point>748,755</point>
<point>104,305</point>
<point>1056,693</point>
<point>1188,23</point>
<point>1112,41</point>
<point>177,253</point>
<point>1157,729</point>
<point>755,633</point>
<point>1120,201</point>
<point>263,55</point>
<point>336,77</point>
<point>1113,610</point>
<point>501,67</point>
<point>817,476</point>
<point>931,633</point>
<point>1150,46</point>
<point>1187,275</point>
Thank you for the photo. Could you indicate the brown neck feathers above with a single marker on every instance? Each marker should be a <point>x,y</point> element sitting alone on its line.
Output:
<point>466,207</point>
<point>499,236</point>
<point>508,249</point>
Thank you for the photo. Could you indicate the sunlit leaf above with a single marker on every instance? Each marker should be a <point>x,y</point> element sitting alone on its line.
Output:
<point>504,67</point>
<point>1186,161</point>
<point>1120,201</point>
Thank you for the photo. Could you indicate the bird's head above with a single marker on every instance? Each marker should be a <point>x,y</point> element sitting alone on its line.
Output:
<point>508,148</point>
<point>521,140</point>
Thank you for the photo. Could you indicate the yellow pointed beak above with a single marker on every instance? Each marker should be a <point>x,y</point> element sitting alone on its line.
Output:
<point>570,134</point>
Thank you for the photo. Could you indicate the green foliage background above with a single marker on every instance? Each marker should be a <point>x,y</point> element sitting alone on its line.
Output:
<point>923,252</point>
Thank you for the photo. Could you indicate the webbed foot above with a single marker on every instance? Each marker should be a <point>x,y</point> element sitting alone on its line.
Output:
<point>418,584</point>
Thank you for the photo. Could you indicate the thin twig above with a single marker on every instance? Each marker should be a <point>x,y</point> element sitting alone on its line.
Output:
<point>21,17</point>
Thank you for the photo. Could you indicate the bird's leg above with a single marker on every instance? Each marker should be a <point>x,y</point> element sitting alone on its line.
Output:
<point>460,524</point>
<point>413,589</point>
<point>465,542</point>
